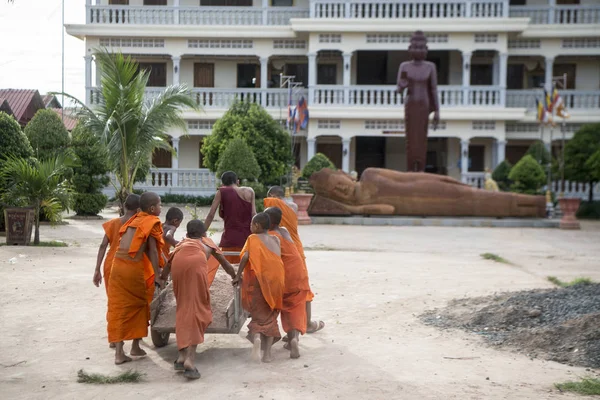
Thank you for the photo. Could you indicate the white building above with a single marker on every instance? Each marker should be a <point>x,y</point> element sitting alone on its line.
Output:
<point>493,58</point>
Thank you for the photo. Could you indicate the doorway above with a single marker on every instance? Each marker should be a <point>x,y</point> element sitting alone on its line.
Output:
<point>158,73</point>
<point>333,151</point>
<point>370,153</point>
<point>371,67</point>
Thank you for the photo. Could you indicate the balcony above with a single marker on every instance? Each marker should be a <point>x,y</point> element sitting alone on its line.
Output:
<point>174,15</point>
<point>563,15</point>
<point>574,99</point>
<point>386,96</point>
<point>407,9</point>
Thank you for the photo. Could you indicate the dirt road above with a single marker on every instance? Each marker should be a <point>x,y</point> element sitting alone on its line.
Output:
<point>370,283</point>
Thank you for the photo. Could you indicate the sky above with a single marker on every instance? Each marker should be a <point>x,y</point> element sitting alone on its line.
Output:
<point>30,46</point>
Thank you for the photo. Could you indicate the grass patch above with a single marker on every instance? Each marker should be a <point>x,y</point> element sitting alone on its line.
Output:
<point>577,281</point>
<point>494,257</point>
<point>52,243</point>
<point>587,386</point>
<point>99,379</point>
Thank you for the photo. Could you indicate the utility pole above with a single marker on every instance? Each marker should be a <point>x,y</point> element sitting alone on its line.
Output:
<point>293,88</point>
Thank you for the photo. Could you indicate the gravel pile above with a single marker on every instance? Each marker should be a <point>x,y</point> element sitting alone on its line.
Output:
<point>559,324</point>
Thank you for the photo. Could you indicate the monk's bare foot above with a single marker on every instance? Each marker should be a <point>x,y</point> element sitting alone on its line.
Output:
<point>286,346</point>
<point>267,357</point>
<point>294,350</point>
<point>137,352</point>
<point>121,359</point>
<point>315,326</point>
<point>112,345</point>
<point>256,345</point>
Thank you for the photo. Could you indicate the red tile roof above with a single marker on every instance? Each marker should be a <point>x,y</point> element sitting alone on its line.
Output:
<point>18,99</point>
<point>49,99</point>
<point>69,121</point>
<point>4,106</point>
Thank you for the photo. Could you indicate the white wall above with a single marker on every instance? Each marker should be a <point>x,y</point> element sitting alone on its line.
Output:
<point>453,156</point>
<point>189,151</point>
<point>395,153</point>
<point>587,75</point>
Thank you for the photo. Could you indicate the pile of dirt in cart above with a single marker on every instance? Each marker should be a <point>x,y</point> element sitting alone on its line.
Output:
<point>561,325</point>
<point>164,306</point>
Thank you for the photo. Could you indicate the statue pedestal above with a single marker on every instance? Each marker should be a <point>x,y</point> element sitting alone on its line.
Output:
<point>569,207</point>
<point>302,201</point>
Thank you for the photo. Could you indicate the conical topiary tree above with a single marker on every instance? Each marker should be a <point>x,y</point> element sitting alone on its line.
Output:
<point>500,175</point>
<point>239,158</point>
<point>315,164</point>
<point>47,134</point>
<point>527,176</point>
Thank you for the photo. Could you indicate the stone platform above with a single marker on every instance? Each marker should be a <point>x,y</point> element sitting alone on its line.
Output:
<point>437,221</point>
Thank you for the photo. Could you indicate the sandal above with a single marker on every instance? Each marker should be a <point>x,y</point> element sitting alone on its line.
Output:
<point>192,373</point>
<point>320,326</point>
<point>178,366</point>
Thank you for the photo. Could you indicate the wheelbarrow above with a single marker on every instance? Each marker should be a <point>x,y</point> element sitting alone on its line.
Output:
<point>226,304</point>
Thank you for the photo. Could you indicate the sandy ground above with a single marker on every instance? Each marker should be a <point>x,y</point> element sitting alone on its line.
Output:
<point>370,285</point>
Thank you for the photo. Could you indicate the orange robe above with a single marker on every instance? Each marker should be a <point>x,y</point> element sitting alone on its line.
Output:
<point>213,263</point>
<point>189,271</point>
<point>289,220</point>
<point>293,313</point>
<point>263,285</point>
<point>131,283</point>
<point>111,230</point>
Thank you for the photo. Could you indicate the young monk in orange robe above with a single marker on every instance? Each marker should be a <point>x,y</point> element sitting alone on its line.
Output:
<point>189,267</point>
<point>111,237</point>
<point>262,286</point>
<point>289,221</point>
<point>173,220</point>
<point>128,292</point>
<point>293,313</point>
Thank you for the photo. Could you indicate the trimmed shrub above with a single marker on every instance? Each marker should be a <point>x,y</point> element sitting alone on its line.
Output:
<point>47,134</point>
<point>539,152</point>
<point>589,210</point>
<point>527,176</point>
<point>500,175</point>
<point>239,158</point>
<point>315,164</point>
<point>89,203</point>
<point>200,201</point>
<point>578,152</point>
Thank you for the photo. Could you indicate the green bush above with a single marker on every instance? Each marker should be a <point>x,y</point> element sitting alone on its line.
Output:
<point>269,142</point>
<point>578,152</point>
<point>500,175</point>
<point>47,134</point>
<point>89,203</point>
<point>200,201</point>
<point>239,158</point>
<point>589,210</point>
<point>13,143</point>
<point>315,164</point>
<point>539,152</point>
<point>260,205</point>
<point>527,176</point>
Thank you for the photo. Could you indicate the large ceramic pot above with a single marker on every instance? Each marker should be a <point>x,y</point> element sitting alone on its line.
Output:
<point>569,207</point>
<point>302,200</point>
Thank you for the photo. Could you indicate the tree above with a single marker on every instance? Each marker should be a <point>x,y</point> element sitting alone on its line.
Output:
<point>39,184</point>
<point>578,151</point>
<point>501,173</point>
<point>239,158</point>
<point>47,134</point>
<point>540,153</point>
<point>315,164</point>
<point>268,141</point>
<point>90,177</point>
<point>527,176</point>
<point>593,163</point>
<point>130,125</point>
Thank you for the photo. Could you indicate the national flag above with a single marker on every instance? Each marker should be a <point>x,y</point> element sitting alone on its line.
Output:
<point>543,116</point>
<point>556,100</point>
<point>547,101</point>
<point>301,114</point>
<point>291,110</point>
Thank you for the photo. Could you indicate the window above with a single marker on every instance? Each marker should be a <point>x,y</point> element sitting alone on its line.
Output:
<point>247,76</point>
<point>514,76</point>
<point>300,71</point>
<point>158,73</point>
<point>482,74</point>
<point>119,2</point>
<point>282,3</point>
<point>234,3</point>
<point>329,124</point>
<point>327,74</point>
<point>155,2</point>
<point>518,2</point>
<point>162,158</point>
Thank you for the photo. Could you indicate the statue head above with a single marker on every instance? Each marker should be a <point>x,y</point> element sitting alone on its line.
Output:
<point>418,46</point>
<point>335,185</point>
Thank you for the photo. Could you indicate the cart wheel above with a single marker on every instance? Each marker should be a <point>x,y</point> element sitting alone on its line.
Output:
<point>159,339</point>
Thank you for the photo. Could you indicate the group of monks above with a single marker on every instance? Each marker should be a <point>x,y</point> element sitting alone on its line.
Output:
<point>272,271</point>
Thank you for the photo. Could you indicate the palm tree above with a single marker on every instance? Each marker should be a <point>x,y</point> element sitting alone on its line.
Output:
<point>40,184</point>
<point>129,124</point>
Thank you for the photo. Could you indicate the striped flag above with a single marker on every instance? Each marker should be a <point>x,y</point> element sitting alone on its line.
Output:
<point>301,117</point>
<point>543,116</point>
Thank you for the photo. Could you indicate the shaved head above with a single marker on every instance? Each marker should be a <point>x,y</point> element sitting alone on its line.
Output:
<point>196,229</point>
<point>274,214</point>
<point>148,200</point>
<point>262,219</point>
<point>132,202</point>
<point>276,191</point>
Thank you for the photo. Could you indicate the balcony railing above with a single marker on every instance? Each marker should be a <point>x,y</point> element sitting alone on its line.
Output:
<point>364,96</point>
<point>568,15</point>
<point>574,99</point>
<point>408,9</point>
<point>191,181</point>
<point>146,15</point>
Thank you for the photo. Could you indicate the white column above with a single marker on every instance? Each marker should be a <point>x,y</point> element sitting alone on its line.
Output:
<point>88,79</point>
<point>464,159</point>
<point>468,9</point>
<point>346,154</point>
<point>264,84</point>
<point>548,72</point>
<point>312,76</point>
<point>503,60</point>
<point>175,162</point>
<point>347,65</point>
<point>551,11</point>
<point>311,148</point>
<point>97,73</point>
<point>88,12</point>
<point>500,151</point>
<point>176,12</point>
<point>176,69</point>
<point>466,80</point>
<point>265,12</point>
